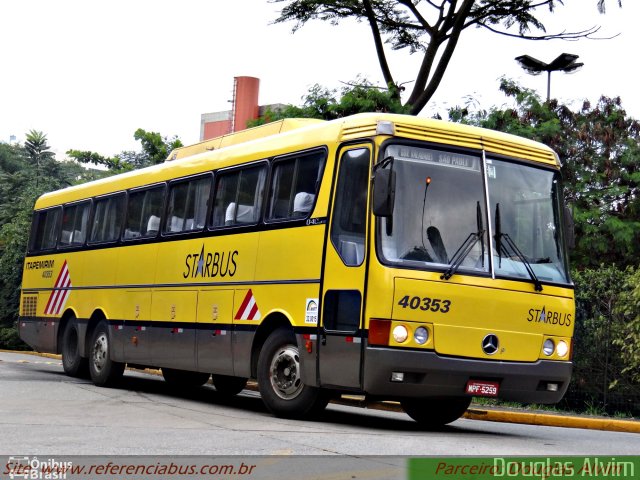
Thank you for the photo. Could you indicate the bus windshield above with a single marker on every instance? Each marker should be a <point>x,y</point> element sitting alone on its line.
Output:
<point>441,220</point>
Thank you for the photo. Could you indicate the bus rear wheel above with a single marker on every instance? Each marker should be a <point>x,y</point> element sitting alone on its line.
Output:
<point>280,382</point>
<point>184,378</point>
<point>73,364</point>
<point>435,412</point>
<point>104,371</point>
<point>227,385</point>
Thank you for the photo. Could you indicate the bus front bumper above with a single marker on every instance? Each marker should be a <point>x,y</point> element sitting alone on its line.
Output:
<point>427,374</point>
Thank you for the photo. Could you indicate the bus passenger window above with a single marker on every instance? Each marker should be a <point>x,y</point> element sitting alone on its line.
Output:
<point>294,186</point>
<point>74,224</point>
<point>46,225</point>
<point>350,209</point>
<point>143,213</point>
<point>187,208</point>
<point>238,198</point>
<point>107,219</point>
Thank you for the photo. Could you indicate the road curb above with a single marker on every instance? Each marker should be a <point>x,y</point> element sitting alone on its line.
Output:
<point>488,415</point>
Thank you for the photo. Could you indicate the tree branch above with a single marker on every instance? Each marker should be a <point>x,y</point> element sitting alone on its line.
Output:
<point>377,40</point>
<point>555,36</point>
<point>452,42</point>
<point>412,8</point>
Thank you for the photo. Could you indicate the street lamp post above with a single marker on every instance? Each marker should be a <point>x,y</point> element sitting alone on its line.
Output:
<point>565,62</point>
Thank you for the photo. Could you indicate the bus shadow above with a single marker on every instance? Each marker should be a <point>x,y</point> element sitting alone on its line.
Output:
<point>249,400</point>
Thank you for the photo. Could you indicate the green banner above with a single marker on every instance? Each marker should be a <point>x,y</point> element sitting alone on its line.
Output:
<point>524,468</point>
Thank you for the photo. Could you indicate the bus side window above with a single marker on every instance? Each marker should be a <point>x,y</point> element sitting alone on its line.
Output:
<point>108,218</point>
<point>294,186</point>
<point>46,225</point>
<point>187,207</point>
<point>238,198</point>
<point>144,212</point>
<point>75,220</point>
<point>350,209</point>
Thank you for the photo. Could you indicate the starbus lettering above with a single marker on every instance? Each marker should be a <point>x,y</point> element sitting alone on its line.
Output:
<point>549,316</point>
<point>210,264</point>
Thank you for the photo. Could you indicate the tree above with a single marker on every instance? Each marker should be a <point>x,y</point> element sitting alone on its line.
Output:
<point>629,341</point>
<point>37,149</point>
<point>429,28</point>
<point>20,185</point>
<point>328,104</point>
<point>599,147</point>
<point>155,149</point>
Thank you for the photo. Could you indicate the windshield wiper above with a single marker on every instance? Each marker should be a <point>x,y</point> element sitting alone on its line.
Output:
<point>466,247</point>
<point>503,248</point>
<point>462,253</point>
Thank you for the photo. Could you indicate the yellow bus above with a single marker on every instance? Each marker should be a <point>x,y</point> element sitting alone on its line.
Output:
<point>385,255</point>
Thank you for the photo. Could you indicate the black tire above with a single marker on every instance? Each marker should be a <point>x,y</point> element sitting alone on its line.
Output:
<point>184,379</point>
<point>279,382</point>
<point>435,412</point>
<point>73,363</point>
<point>104,371</point>
<point>227,385</point>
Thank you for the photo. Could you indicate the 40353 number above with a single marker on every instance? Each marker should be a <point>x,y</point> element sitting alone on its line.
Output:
<point>425,304</point>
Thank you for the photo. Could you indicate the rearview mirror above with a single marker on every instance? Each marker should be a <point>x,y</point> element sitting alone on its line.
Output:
<point>384,192</point>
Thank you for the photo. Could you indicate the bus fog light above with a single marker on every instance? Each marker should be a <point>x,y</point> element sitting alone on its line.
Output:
<point>400,333</point>
<point>421,335</point>
<point>548,347</point>
<point>552,387</point>
<point>397,376</point>
<point>562,348</point>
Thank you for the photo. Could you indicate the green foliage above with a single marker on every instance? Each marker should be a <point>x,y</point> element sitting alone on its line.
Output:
<point>114,164</point>
<point>629,340</point>
<point>603,375</point>
<point>329,104</point>
<point>37,148</point>
<point>10,340</point>
<point>599,146</point>
<point>26,172</point>
<point>155,149</point>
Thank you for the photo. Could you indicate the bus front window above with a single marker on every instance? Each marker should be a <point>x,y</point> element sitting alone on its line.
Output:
<point>525,213</point>
<point>439,213</point>
<point>440,219</point>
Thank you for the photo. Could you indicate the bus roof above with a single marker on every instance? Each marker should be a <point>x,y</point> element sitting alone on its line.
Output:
<point>289,135</point>
<point>261,131</point>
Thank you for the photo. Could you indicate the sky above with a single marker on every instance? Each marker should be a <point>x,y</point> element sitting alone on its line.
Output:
<point>89,73</point>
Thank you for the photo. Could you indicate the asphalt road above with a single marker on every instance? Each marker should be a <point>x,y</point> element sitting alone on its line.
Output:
<point>44,411</point>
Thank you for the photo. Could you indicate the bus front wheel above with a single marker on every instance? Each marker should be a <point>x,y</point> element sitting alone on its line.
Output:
<point>72,363</point>
<point>104,371</point>
<point>280,382</point>
<point>435,412</point>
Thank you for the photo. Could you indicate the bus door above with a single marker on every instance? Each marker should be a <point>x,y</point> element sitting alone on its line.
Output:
<point>344,272</point>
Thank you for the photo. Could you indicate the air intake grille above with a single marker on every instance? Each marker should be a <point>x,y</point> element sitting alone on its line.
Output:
<point>29,306</point>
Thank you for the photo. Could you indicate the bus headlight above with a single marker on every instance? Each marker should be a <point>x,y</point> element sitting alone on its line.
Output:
<point>421,335</point>
<point>562,348</point>
<point>548,347</point>
<point>400,333</point>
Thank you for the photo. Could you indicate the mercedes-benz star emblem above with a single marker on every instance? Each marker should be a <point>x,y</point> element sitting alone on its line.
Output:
<point>490,344</point>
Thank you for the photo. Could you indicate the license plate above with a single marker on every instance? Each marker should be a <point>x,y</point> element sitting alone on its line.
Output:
<point>481,388</point>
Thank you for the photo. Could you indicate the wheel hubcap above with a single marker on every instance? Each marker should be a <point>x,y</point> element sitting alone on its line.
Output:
<point>285,373</point>
<point>100,352</point>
